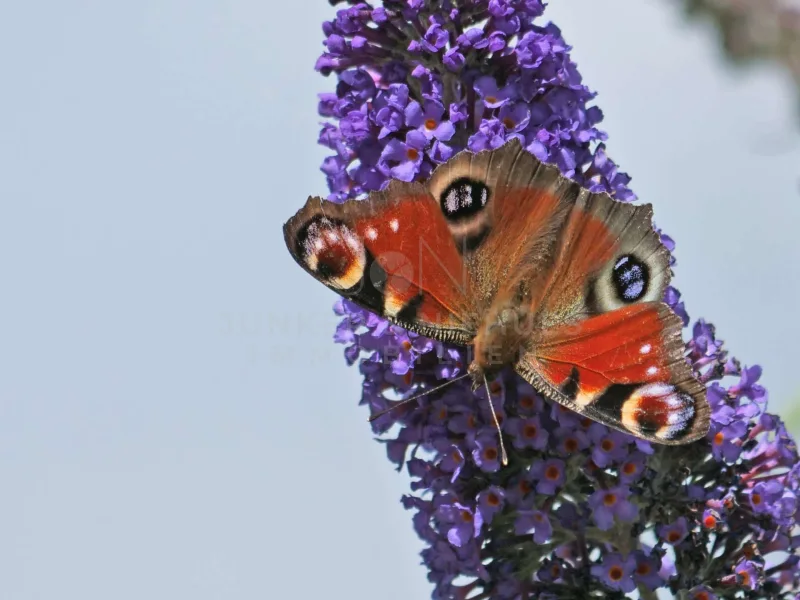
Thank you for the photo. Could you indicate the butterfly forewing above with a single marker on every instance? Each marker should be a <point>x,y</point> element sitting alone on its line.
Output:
<point>625,368</point>
<point>392,253</point>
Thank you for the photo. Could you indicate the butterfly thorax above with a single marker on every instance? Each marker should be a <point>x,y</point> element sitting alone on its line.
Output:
<point>504,336</point>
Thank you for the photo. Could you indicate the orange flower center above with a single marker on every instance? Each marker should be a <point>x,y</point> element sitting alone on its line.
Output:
<point>412,154</point>
<point>710,522</point>
<point>673,536</point>
<point>719,438</point>
<point>629,468</point>
<point>756,498</point>
<point>456,457</point>
<point>492,499</point>
<point>607,445</point>
<point>530,431</point>
<point>555,571</point>
<point>466,516</point>
<point>524,486</point>
<point>610,499</point>
<point>642,569</point>
<point>615,573</point>
<point>443,414</point>
<point>491,99</point>
<point>702,596</point>
<point>406,345</point>
<point>490,454</point>
<point>744,577</point>
<point>430,124</point>
<point>538,517</point>
<point>509,123</point>
<point>570,444</point>
<point>526,402</point>
<point>552,472</point>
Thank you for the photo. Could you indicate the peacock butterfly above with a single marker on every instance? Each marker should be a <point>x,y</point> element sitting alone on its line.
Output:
<point>499,251</point>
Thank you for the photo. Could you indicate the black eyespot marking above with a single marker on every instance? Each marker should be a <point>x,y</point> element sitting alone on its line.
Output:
<point>631,278</point>
<point>331,250</point>
<point>464,198</point>
<point>336,256</point>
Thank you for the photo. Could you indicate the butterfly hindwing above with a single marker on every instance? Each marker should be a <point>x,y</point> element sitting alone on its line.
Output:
<point>609,256</point>
<point>504,209</point>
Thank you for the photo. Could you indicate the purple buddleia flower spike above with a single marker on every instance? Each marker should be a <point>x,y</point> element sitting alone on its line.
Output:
<point>577,511</point>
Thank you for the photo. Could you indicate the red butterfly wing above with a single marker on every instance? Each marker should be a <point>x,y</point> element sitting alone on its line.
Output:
<point>608,347</point>
<point>625,368</point>
<point>392,253</point>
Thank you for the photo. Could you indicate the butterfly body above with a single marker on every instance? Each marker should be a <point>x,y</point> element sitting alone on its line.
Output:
<point>499,251</point>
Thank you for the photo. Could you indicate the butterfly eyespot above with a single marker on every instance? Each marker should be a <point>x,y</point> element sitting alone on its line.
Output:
<point>627,279</point>
<point>332,251</point>
<point>631,278</point>
<point>464,198</point>
<point>659,409</point>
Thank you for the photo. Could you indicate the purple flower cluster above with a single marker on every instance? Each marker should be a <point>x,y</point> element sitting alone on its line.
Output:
<point>580,511</point>
<point>418,83</point>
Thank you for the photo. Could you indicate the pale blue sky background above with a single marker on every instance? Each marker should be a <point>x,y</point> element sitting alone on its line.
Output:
<point>175,421</point>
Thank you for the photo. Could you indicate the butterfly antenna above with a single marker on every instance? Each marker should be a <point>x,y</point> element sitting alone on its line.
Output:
<point>416,396</point>
<point>503,455</point>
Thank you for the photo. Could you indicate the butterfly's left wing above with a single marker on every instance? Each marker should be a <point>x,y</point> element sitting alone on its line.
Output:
<point>392,253</point>
<point>609,348</point>
<point>431,257</point>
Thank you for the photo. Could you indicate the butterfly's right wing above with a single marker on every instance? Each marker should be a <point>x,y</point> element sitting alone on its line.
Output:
<point>608,347</point>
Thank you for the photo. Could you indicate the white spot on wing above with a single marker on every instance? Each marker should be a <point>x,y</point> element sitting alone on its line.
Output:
<point>652,370</point>
<point>394,225</point>
<point>451,201</point>
<point>372,233</point>
<point>645,349</point>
